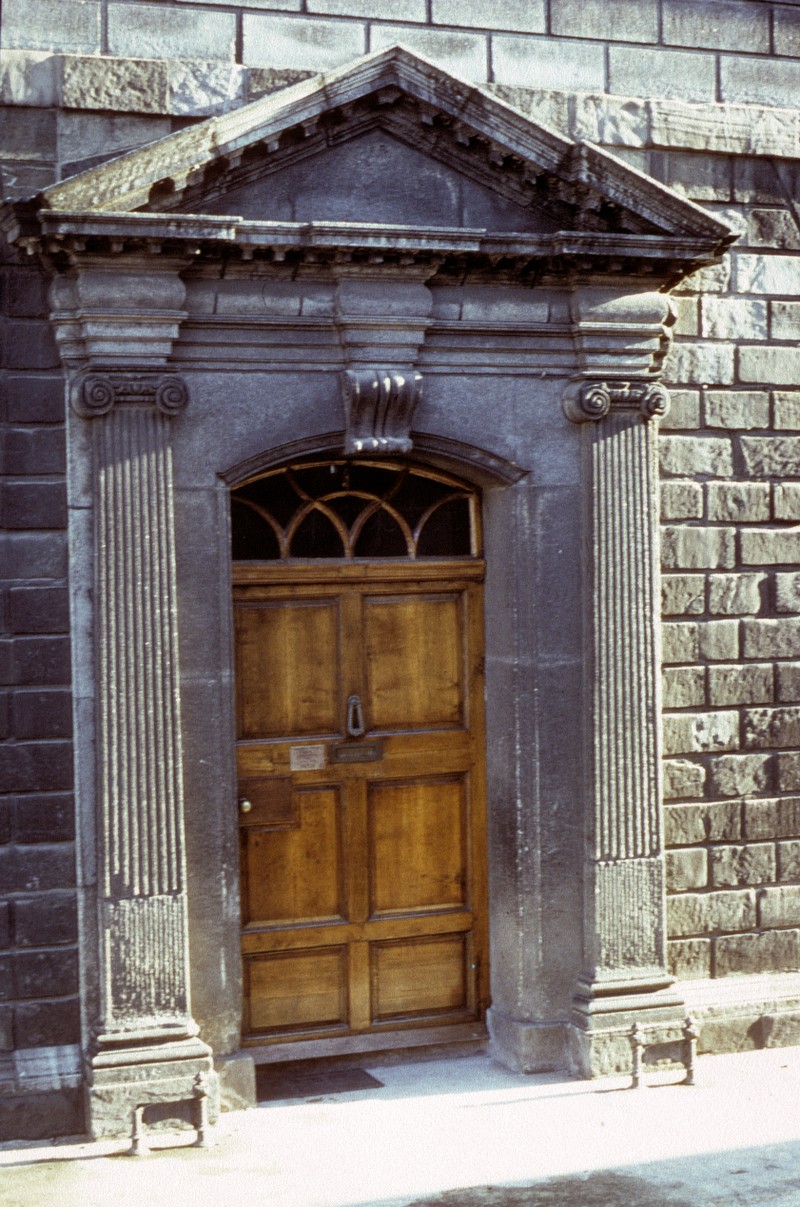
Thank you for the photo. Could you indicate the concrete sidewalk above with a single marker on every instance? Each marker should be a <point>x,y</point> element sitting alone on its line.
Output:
<point>461,1133</point>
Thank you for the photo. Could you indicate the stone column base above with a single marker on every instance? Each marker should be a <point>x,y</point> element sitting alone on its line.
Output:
<point>163,1076</point>
<point>526,1047</point>
<point>600,1034</point>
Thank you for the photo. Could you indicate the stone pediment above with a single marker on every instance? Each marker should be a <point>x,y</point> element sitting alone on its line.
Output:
<point>389,152</point>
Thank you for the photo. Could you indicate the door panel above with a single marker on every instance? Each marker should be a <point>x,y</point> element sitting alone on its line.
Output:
<point>363,859</point>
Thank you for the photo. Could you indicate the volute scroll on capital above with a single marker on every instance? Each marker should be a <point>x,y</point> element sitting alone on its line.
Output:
<point>96,394</point>
<point>379,406</point>
<point>590,401</point>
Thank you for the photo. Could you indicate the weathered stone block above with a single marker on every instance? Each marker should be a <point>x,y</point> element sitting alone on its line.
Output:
<point>778,951</point>
<point>769,547</point>
<point>787,591</point>
<point>547,63</point>
<point>776,364</point>
<point>689,959</point>
<point>38,1024</point>
<point>686,869</point>
<point>464,53</point>
<point>685,456</point>
<point>733,318</point>
<point>42,714</point>
<point>687,322</point>
<point>748,865</point>
<point>523,16</point>
<point>703,913</point>
<point>42,660</point>
<point>780,906</point>
<point>684,686</point>
<point>773,228</point>
<point>605,19</point>
<point>787,677</point>
<point>787,410</point>
<point>693,733</point>
<point>759,81</point>
<point>35,554</point>
<point>742,502</point>
<point>768,728</point>
<point>716,24</point>
<point>548,106</point>
<point>39,868</point>
<point>128,85</point>
<point>789,858</point>
<point>681,501</point>
<point>736,408</point>
<point>713,279</point>
<point>767,274</point>
<point>739,775</point>
<point>682,594</point>
<point>700,364</point>
<point>724,129</point>
<point>147,32</point>
<point>62,25</point>
<point>384,10</point>
<point>768,456</point>
<point>34,450</point>
<point>771,638</point>
<point>45,920</point>
<point>785,320</point>
<point>38,610</point>
<point>28,343</point>
<point>749,683</point>
<point>642,72</point>
<point>34,399</point>
<point>34,504</point>
<point>25,292</point>
<point>196,89</point>
<point>735,594</point>
<point>718,640</point>
<point>779,818</point>
<point>780,1030</point>
<point>28,77</point>
<point>684,405</point>
<point>788,771</point>
<point>683,778</point>
<point>610,121</point>
<point>786,500</point>
<point>680,641</point>
<point>37,767</point>
<point>697,548</point>
<point>46,973</point>
<point>44,818</point>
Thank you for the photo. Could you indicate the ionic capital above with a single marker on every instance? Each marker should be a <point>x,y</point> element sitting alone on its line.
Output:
<point>589,401</point>
<point>96,394</point>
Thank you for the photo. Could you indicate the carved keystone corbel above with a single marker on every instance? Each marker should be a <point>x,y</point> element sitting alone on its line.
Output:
<point>97,394</point>
<point>589,401</point>
<point>379,406</point>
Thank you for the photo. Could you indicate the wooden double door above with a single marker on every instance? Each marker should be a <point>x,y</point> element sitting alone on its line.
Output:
<point>362,797</point>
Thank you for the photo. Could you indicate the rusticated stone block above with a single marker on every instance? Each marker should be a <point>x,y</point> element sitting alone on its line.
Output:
<point>5,925</point>
<point>47,1024</point>
<point>788,771</point>
<point>260,81</point>
<point>549,63</point>
<point>775,951</point>
<point>713,279</point>
<point>787,592</point>
<point>785,321</point>
<point>682,778</point>
<point>779,906</point>
<point>679,641</point>
<point>718,640</point>
<point>39,609</point>
<point>779,818</point>
<point>777,364</point>
<point>739,774</point>
<point>35,451</point>
<point>27,344</point>
<point>787,676</point>
<point>691,733</point>
<point>686,869</point>
<point>42,714</point>
<point>26,292</point>
<point>34,399</point>
<point>684,686</point>
<point>689,959</point>
<point>39,868</point>
<point>772,456</point>
<point>738,866</point>
<point>682,594</point>
<point>6,1030</point>
<point>739,502</point>
<point>150,32</point>
<point>740,684</point>
<point>42,660</point>
<point>773,228</point>
<point>34,505</point>
<point>44,818</point>
<point>735,594</point>
<point>786,496</point>
<point>716,24</point>
<point>738,319</point>
<point>34,554</point>
<point>46,920</point>
<point>684,405</point>
<point>697,548</point>
<point>768,728</point>
<point>611,121</point>
<point>767,274</point>
<point>37,767</point>
<point>634,71</point>
<point>41,974</point>
<point>705,913</point>
<point>736,408</point>
<point>524,16</point>
<point>789,860</point>
<point>62,25</point>
<point>681,501</point>
<point>687,310</point>
<point>119,85</point>
<point>690,363</point>
<point>688,455</point>
<point>771,638</point>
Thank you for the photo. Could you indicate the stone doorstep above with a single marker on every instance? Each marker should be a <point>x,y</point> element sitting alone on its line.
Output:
<point>190,88</point>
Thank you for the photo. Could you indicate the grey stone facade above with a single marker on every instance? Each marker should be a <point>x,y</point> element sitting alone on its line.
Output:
<point>670,90</point>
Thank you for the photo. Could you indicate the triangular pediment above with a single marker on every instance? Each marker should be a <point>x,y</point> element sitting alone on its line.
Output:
<point>390,141</point>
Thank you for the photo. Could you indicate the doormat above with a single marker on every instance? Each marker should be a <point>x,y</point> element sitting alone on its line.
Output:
<point>272,1083</point>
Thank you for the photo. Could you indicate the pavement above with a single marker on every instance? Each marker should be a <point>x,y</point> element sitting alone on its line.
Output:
<point>461,1132</point>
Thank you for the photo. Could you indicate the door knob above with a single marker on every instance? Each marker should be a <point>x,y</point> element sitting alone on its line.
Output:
<point>245,806</point>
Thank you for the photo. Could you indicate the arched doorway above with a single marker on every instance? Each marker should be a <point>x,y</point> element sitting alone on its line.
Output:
<point>360,751</point>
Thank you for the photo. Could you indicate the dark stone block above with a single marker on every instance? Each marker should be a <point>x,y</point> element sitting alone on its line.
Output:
<point>47,920</point>
<point>42,1116</point>
<point>5,925</point>
<point>42,714</point>
<point>6,662</point>
<point>47,1024</point>
<point>34,554</point>
<point>45,973</point>
<point>28,344</point>
<point>26,292</point>
<point>35,399</point>
<point>5,715</point>
<point>6,1029</point>
<point>38,610</point>
<point>43,818</point>
<point>36,767</point>
<point>34,504</point>
<point>37,868</point>
<point>42,660</point>
<point>35,450</point>
<point>31,132</point>
<point>6,812</point>
<point>6,978</point>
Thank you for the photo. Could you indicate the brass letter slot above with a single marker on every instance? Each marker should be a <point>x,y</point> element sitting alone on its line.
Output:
<point>365,752</point>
